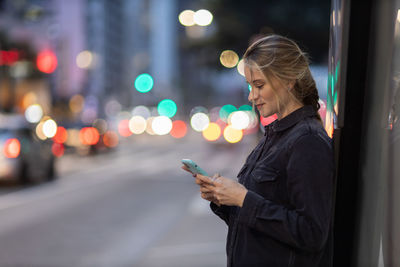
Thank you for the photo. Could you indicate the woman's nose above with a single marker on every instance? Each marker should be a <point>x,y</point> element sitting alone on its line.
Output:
<point>252,95</point>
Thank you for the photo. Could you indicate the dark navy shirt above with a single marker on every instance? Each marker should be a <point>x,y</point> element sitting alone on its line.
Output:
<point>286,215</point>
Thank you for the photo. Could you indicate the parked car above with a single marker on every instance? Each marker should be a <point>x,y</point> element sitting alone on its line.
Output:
<point>23,156</point>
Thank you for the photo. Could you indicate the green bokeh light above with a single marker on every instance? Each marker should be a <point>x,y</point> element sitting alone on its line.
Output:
<point>144,83</point>
<point>249,86</point>
<point>245,108</point>
<point>225,111</point>
<point>167,107</point>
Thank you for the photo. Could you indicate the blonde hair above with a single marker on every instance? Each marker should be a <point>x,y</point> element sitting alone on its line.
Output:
<point>281,58</point>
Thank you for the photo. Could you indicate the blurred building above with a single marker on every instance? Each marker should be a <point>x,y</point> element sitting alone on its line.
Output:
<point>122,38</point>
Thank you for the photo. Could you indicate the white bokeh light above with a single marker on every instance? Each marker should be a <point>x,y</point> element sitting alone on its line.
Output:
<point>161,125</point>
<point>34,113</point>
<point>239,120</point>
<point>203,17</point>
<point>186,18</point>
<point>137,124</point>
<point>199,121</point>
<point>49,128</point>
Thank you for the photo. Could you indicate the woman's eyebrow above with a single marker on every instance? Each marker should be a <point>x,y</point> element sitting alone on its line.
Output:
<point>258,80</point>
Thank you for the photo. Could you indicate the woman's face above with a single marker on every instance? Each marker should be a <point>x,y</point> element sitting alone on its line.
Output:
<point>262,94</point>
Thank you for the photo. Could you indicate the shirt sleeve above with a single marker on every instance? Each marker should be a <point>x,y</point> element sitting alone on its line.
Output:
<point>310,180</point>
<point>221,211</point>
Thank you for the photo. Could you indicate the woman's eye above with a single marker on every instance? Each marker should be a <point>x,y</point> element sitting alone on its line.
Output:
<point>259,86</point>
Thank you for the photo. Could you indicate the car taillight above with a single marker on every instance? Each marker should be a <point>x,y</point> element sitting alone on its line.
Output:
<point>12,148</point>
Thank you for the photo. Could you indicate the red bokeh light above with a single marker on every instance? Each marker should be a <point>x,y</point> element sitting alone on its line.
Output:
<point>46,61</point>
<point>268,120</point>
<point>123,128</point>
<point>110,139</point>
<point>61,135</point>
<point>8,57</point>
<point>57,149</point>
<point>89,136</point>
<point>12,148</point>
<point>179,129</point>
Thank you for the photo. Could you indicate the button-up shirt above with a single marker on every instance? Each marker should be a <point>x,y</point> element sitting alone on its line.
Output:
<point>286,215</point>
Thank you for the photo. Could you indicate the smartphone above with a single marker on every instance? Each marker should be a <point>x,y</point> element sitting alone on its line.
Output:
<point>193,167</point>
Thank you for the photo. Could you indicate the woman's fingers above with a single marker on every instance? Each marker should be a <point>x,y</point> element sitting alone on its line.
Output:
<point>206,189</point>
<point>204,179</point>
<point>186,169</point>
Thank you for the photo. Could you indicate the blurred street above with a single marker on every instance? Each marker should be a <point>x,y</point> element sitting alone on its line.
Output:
<point>130,207</point>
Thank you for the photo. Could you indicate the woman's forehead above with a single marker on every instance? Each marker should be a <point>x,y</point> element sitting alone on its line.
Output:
<point>253,73</point>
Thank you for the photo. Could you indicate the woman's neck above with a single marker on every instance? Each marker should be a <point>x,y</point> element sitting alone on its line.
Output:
<point>289,108</point>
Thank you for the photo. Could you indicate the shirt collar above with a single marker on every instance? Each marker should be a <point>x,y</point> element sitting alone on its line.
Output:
<point>293,118</point>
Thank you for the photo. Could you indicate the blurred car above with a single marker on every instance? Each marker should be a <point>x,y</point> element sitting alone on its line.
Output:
<point>23,156</point>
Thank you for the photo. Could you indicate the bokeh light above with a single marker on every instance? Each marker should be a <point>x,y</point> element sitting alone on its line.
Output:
<point>112,108</point>
<point>213,132</point>
<point>268,120</point>
<point>142,111</point>
<point>89,136</point>
<point>49,128</point>
<point>214,113</point>
<point>161,125</point>
<point>199,121</point>
<point>249,87</point>
<point>46,61</point>
<point>198,109</point>
<point>167,107</point>
<point>110,139</point>
<point>232,135</point>
<point>29,99</point>
<point>225,111</point>
<point>229,58</point>
<point>322,110</point>
<point>144,83</point>
<point>245,108</point>
<point>123,128</point>
<point>76,103</point>
<point>149,126</point>
<point>39,131</point>
<point>57,149</point>
<point>203,17</point>
<point>240,67</point>
<point>239,120</point>
<point>137,124</point>
<point>101,125</point>
<point>61,135</point>
<point>179,129</point>
<point>73,137</point>
<point>34,113</point>
<point>12,148</point>
<point>186,18</point>
<point>84,59</point>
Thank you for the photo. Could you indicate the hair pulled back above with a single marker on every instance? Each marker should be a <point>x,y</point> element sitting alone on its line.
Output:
<point>281,58</point>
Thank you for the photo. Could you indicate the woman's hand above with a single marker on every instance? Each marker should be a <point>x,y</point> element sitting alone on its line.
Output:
<point>229,192</point>
<point>221,190</point>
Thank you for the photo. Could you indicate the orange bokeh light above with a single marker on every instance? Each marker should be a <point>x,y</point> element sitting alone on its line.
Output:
<point>89,136</point>
<point>12,148</point>
<point>46,61</point>
<point>123,128</point>
<point>61,135</point>
<point>110,139</point>
<point>213,132</point>
<point>179,129</point>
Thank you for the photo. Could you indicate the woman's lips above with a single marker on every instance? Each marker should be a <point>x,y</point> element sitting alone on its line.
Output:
<point>259,106</point>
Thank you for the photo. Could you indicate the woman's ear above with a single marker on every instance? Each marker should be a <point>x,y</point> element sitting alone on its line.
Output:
<point>290,85</point>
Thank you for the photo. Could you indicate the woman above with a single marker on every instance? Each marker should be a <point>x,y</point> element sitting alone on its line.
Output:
<point>279,212</point>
